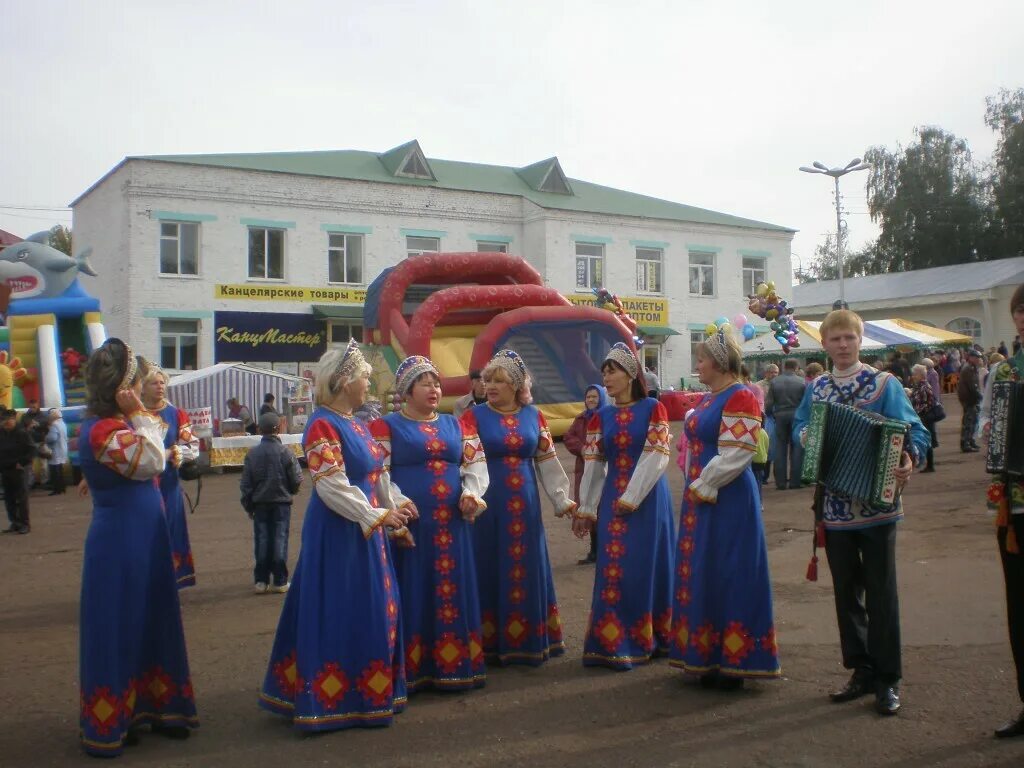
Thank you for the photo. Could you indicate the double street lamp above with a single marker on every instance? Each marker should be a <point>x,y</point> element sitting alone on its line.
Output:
<point>854,165</point>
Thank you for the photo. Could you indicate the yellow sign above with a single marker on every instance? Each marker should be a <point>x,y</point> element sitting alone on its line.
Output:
<point>646,310</point>
<point>263,292</point>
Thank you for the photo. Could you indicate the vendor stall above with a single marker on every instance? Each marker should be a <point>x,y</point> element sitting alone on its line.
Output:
<point>231,451</point>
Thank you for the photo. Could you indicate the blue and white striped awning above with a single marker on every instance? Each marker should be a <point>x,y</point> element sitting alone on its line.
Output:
<point>211,387</point>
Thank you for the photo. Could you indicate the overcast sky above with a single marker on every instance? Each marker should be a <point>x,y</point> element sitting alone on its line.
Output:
<point>709,103</point>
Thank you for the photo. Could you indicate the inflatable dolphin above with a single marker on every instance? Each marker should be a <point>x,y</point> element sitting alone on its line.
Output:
<point>33,269</point>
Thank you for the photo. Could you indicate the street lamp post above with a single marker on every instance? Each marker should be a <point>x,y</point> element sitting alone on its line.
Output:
<point>854,165</point>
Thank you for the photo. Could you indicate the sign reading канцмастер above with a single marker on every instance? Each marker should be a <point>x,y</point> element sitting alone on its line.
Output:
<point>274,337</point>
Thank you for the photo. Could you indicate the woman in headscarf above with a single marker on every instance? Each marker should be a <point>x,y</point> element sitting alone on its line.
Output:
<point>337,660</point>
<point>624,493</point>
<point>443,471</point>
<point>133,665</point>
<point>518,607</point>
<point>595,398</point>
<point>723,628</point>
<point>182,445</point>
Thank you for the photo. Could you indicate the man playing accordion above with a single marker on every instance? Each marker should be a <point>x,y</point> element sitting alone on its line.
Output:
<point>860,539</point>
<point>1006,493</point>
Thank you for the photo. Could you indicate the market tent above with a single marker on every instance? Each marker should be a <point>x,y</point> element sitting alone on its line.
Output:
<point>879,336</point>
<point>211,387</point>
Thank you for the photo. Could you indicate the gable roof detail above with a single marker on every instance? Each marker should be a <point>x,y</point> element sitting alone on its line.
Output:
<point>546,176</point>
<point>407,161</point>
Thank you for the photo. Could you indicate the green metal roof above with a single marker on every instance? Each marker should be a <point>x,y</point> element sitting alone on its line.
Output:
<point>657,330</point>
<point>471,177</point>
<point>339,311</point>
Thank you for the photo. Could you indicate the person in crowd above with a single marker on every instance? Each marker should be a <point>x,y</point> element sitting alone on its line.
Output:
<point>768,424</point>
<point>337,660</point>
<point>651,380</point>
<point>923,399</point>
<point>440,467</point>
<point>932,377</point>
<point>595,398</point>
<point>1006,499</point>
<point>133,664</point>
<point>268,405</point>
<point>813,371</point>
<point>1002,350</point>
<point>16,453</point>
<point>625,493</point>
<point>182,445</point>
<point>476,395</point>
<point>898,367</point>
<point>723,625</point>
<point>969,391</point>
<point>241,412</point>
<point>36,425</point>
<point>270,477</point>
<point>519,610</point>
<point>784,395</point>
<point>994,359</point>
<point>57,444</point>
<point>1016,345</point>
<point>860,540</point>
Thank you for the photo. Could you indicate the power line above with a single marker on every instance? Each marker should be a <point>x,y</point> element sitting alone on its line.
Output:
<point>22,216</point>
<point>34,207</point>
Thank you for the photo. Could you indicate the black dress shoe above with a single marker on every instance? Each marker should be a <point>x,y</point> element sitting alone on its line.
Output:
<point>709,680</point>
<point>729,683</point>
<point>1012,728</point>
<point>172,731</point>
<point>887,700</point>
<point>860,684</point>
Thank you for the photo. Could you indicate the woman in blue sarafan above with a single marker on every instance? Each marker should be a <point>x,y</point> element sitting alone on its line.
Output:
<point>625,494</point>
<point>337,657</point>
<point>723,628</point>
<point>519,610</point>
<point>443,471</point>
<point>133,665</point>
<point>182,445</point>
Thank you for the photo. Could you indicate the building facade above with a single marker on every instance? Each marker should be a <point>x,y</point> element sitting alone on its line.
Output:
<point>265,258</point>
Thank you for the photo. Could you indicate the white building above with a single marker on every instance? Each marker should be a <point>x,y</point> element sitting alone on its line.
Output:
<point>182,240</point>
<point>972,299</point>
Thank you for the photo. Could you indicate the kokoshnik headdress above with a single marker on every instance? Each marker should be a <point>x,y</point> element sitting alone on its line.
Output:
<point>513,365</point>
<point>131,365</point>
<point>351,361</point>
<point>717,347</point>
<point>623,356</point>
<point>411,369</point>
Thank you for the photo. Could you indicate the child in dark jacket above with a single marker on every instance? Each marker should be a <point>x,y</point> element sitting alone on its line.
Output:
<point>270,477</point>
<point>594,399</point>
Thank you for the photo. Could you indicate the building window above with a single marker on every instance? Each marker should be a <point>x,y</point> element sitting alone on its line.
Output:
<point>589,265</point>
<point>179,344</point>
<point>648,270</point>
<point>266,253</point>
<point>339,332</point>
<point>179,248</point>
<point>483,246</point>
<point>968,326</point>
<point>754,272</point>
<point>696,337</point>
<point>702,274</point>
<point>414,246</point>
<point>344,258</point>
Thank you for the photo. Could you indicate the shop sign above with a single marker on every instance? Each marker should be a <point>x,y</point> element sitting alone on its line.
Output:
<point>275,292</point>
<point>268,336</point>
<point>645,310</point>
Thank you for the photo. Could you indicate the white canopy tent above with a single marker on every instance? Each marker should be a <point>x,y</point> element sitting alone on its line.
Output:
<point>213,386</point>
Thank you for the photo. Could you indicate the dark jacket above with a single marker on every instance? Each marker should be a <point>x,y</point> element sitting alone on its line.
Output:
<point>271,474</point>
<point>785,393</point>
<point>35,424</point>
<point>574,439</point>
<point>15,448</point>
<point>968,389</point>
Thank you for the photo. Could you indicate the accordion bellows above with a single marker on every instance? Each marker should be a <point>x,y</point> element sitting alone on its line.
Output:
<point>1006,434</point>
<point>854,453</point>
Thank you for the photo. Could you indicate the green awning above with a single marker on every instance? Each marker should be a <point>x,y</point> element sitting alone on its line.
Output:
<point>657,330</point>
<point>339,311</point>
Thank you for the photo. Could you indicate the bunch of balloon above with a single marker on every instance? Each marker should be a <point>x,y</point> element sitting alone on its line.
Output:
<point>766,303</point>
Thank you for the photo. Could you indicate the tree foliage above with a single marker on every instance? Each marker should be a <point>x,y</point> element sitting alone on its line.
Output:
<point>1004,114</point>
<point>60,238</point>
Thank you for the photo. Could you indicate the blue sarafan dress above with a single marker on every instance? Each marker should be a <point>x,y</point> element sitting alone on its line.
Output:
<point>722,619</point>
<point>518,607</point>
<point>625,492</point>
<point>434,465</point>
<point>337,656</point>
<point>133,665</point>
<point>177,433</point>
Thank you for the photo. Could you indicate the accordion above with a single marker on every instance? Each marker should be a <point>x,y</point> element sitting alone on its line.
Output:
<point>854,453</point>
<point>1006,434</point>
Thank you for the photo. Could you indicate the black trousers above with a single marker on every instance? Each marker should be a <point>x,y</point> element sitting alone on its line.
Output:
<point>863,565</point>
<point>1013,573</point>
<point>15,496</point>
